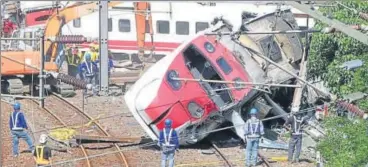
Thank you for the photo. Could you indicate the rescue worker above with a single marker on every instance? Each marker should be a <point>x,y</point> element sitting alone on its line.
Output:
<point>18,127</point>
<point>296,121</point>
<point>253,132</point>
<point>73,61</point>
<point>88,70</point>
<point>169,142</point>
<point>42,153</point>
<point>110,63</point>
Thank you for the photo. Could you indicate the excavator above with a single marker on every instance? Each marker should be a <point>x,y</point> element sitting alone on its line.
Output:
<point>19,67</point>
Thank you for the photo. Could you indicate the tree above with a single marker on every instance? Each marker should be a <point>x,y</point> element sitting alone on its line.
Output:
<point>329,51</point>
<point>345,143</point>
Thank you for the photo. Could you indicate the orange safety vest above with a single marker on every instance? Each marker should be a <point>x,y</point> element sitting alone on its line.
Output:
<point>39,156</point>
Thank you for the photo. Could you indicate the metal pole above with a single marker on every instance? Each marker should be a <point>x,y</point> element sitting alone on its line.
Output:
<point>103,35</point>
<point>233,82</point>
<point>42,61</point>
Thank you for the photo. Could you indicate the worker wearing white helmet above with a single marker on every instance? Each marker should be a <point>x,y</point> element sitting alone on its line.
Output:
<point>42,153</point>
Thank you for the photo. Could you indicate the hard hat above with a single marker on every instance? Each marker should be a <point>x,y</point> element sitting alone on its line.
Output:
<point>16,106</point>
<point>87,56</point>
<point>91,45</point>
<point>253,111</point>
<point>168,122</point>
<point>43,138</point>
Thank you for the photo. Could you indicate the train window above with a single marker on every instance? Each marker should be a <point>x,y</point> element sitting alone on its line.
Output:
<point>163,27</point>
<point>222,63</point>
<point>77,23</point>
<point>42,18</point>
<point>124,25</point>
<point>158,57</point>
<point>120,56</point>
<point>109,26</point>
<point>201,26</point>
<point>182,28</point>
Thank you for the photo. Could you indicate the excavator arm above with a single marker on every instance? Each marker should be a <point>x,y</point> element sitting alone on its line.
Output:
<point>143,19</point>
<point>62,17</point>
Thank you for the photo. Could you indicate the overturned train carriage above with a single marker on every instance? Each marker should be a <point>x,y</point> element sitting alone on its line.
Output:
<point>171,87</point>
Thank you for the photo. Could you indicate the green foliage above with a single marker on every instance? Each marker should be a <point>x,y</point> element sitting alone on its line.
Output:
<point>345,144</point>
<point>342,81</point>
<point>325,47</point>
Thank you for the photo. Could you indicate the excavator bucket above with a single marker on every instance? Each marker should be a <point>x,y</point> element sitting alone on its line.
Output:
<point>143,19</point>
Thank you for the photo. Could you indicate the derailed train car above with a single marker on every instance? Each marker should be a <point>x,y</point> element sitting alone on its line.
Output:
<point>208,80</point>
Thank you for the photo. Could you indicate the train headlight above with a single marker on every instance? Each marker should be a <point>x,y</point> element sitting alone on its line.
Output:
<point>195,110</point>
<point>238,84</point>
<point>209,47</point>
<point>175,84</point>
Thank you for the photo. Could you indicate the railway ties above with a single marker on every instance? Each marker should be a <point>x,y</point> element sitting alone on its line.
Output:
<point>71,115</point>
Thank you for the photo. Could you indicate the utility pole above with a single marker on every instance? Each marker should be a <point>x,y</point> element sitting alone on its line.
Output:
<point>103,36</point>
<point>41,76</point>
<point>298,92</point>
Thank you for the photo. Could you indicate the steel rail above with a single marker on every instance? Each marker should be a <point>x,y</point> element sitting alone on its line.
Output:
<point>63,123</point>
<point>221,155</point>
<point>122,156</point>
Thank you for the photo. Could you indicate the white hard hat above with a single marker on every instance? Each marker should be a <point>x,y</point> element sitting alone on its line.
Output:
<point>43,138</point>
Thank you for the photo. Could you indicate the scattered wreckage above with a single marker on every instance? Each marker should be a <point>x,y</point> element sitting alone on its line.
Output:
<point>218,75</point>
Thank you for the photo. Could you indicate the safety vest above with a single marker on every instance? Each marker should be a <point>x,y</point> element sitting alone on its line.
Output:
<point>94,56</point>
<point>15,121</point>
<point>254,133</point>
<point>89,69</point>
<point>297,128</point>
<point>73,60</point>
<point>39,156</point>
<point>167,146</point>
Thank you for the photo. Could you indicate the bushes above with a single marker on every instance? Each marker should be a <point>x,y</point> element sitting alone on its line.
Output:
<point>345,143</point>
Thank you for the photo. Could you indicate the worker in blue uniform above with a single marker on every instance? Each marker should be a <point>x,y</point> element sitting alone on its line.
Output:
<point>169,143</point>
<point>18,127</point>
<point>296,121</point>
<point>254,130</point>
<point>88,70</point>
<point>110,63</point>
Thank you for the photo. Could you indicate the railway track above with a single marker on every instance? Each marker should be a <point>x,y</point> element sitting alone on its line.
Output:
<point>70,115</point>
<point>49,120</point>
<point>221,156</point>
